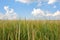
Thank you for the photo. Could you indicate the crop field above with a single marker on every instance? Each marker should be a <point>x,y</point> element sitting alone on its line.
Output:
<point>29,30</point>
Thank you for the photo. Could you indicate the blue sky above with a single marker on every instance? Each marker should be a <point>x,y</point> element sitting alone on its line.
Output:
<point>37,9</point>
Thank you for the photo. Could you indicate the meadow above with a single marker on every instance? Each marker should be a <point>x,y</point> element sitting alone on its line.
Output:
<point>29,29</point>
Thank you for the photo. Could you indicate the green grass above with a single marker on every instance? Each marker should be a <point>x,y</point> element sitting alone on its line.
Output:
<point>29,30</point>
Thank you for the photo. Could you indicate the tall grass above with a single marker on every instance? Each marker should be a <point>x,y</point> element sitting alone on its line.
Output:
<point>30,30</point>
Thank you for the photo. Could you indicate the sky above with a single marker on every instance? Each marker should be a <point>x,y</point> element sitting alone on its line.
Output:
<point>30,9</point>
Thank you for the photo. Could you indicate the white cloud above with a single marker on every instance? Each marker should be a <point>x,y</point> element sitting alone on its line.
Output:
<point>49,14</point>
<point>57,13</point>
<point>51,1</point>
<point>25,1</point>
<point>30,1</point>
<point>39,13</point>
<point>38,1</point>
<point>1,16</point>
<point>10,14</point>
<point>39,4</point>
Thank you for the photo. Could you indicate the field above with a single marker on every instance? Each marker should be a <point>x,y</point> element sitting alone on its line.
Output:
<point>29,30</point>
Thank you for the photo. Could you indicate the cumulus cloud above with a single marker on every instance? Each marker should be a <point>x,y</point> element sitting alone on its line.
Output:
<point>38,1</point>
<point>10,14</point>
<point>30,1</point>
<point>37,12</point>
<point>51,1</point>
<point>25,1</point>
<point>41,13</point>
<point>57,13</point>
<point>1,16</point>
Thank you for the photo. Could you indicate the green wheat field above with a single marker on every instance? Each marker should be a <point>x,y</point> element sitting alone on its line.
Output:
<point>29,29</point>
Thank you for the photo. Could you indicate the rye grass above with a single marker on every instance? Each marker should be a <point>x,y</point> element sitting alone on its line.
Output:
<point>29,30</point>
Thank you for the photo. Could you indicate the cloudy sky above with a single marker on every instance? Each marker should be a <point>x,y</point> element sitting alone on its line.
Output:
<point>30,9</point>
